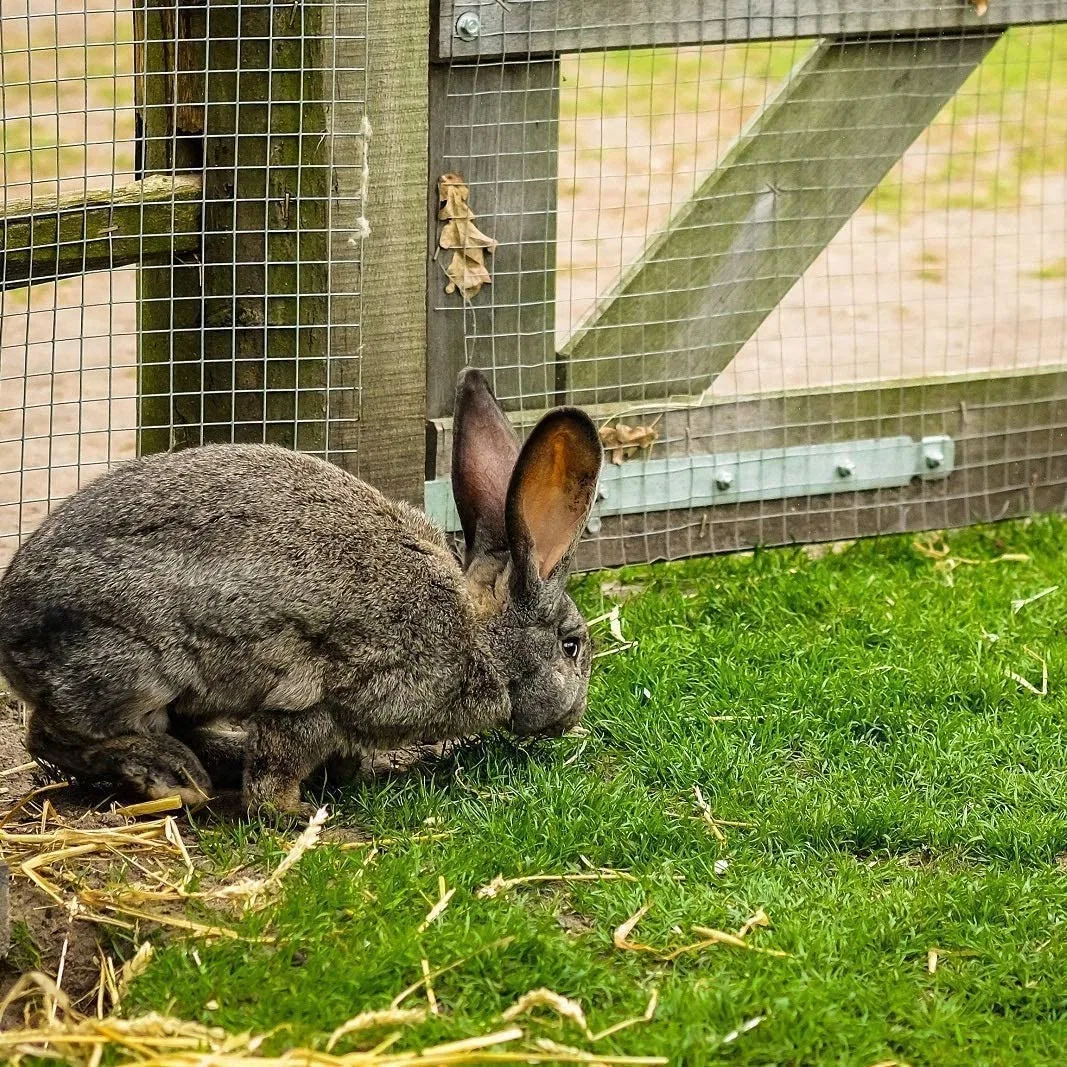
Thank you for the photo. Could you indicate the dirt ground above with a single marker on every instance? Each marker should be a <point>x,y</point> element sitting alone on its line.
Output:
<point>43,934</point>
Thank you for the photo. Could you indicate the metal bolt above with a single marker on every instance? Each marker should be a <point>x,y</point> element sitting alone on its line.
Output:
<point>593,525</point>
<point>468,26</point>
<point>723,480</point>
<point>933,457</point>
<point>845,468</point>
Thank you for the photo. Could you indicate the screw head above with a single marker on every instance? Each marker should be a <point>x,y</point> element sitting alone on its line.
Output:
<point>933,457</point>
<point>723,480</point>
<point>468,26</point>
<point>593,524</point>
<point>845,468</point>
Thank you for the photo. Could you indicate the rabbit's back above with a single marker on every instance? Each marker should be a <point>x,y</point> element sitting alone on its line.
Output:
<point>227,579</point>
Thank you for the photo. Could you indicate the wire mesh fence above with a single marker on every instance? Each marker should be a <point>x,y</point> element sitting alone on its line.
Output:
<point>806,264</point>
<point>773,263</point>
<point>194,179</point>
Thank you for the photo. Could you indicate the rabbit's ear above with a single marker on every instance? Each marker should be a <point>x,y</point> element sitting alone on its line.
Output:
<point>551,494</point>
<point>484,450</point>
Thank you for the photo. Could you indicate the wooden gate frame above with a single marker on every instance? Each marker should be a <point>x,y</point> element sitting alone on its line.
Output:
<point>227,178</point>
<point>875,78</point>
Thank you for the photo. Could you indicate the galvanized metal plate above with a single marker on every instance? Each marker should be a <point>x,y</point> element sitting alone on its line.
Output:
<point>638,486</point>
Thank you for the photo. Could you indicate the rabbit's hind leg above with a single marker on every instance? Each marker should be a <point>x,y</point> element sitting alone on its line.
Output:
<point>155,765</point>
<point>220,749</point>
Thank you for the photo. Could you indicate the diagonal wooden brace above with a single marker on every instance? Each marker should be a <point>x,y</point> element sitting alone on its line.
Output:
<point>791,181</point>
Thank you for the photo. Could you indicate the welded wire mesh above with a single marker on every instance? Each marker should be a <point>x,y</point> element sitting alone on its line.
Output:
<point>740,263</point>
<point>812,232</point>
<point>184,184</point>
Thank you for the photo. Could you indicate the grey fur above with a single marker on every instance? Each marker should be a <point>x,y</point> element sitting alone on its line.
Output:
<point>272,590</point>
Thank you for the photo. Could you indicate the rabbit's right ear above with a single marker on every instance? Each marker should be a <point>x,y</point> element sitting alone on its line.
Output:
<point>484,451</point>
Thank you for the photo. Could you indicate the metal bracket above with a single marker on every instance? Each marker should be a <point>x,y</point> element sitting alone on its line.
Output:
<point>736,477</point>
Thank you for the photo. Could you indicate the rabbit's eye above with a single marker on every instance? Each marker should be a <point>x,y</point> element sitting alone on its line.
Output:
<point>571,645</point>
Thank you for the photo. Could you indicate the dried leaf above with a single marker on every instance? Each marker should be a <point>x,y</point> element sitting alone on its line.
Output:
<point>467,273</point>
<point>624,442</point>
<point>980,7</point>
<point>464,235</point>
<point>466,270</point>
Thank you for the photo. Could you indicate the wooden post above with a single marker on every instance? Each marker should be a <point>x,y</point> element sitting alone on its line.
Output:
<point>265,248</point>
<point>392,425</point>
<point>168,295</point>
<point>498,125</point>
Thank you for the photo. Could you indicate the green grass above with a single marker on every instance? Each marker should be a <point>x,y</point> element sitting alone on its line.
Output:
<point>904,793</point>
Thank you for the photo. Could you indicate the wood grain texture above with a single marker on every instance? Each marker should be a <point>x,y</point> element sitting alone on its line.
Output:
<point>392,425</point>
<point>498,127</point>
<point>789,183</point>
<point>265,270</point>
<point>147,222</point>
<point>1010,435</point>
<point>168,294</point>
<point>348,143</point>
<point>551,27</point>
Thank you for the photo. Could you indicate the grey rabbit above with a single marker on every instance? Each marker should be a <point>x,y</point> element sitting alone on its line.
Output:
<point>253,585</point>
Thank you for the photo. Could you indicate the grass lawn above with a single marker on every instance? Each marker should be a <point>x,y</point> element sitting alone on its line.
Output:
<point>902,792</point>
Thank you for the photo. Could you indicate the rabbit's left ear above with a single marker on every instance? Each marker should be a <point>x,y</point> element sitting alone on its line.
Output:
<point>551,493</point>
<point>484,450</point>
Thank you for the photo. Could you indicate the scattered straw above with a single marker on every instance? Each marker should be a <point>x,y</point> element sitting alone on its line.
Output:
<point>1018,605</point>
<point>621,935</point>
<point>431,996</point>
<point>723,938</point>
<point>546,998</point>
<point>444,896</point>
<point>708,937</point>
<point>570,1009</point>
<point>369,1020</point>
<point>500,884</point>
<point>706,815</point>
<point>21,768</point>
<point>1027,685</point>
<point>403,995</point>
<point>759,919</point>
<point>149,807</point>
<point>932,956</point>
<point>749,1024</point>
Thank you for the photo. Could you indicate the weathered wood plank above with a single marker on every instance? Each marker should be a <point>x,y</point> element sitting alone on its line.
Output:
<point>392,435</point>
<point>1010,438</point>
<point>168,294</point>
<point>146,222</point>
<point>497,126</point>
<point>792,179</point>
<point>538,27</point>
<point>265,265</point>
<point>348,147</point>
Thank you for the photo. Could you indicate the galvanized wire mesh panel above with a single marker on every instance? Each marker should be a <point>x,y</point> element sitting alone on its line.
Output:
<point>184,185</point>
<point>811,287</point>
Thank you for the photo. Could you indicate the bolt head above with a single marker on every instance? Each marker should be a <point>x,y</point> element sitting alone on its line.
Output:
<point>593,525</point>
<point>845,468</point>
<point>723,480</point>
<point>468,26</point>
